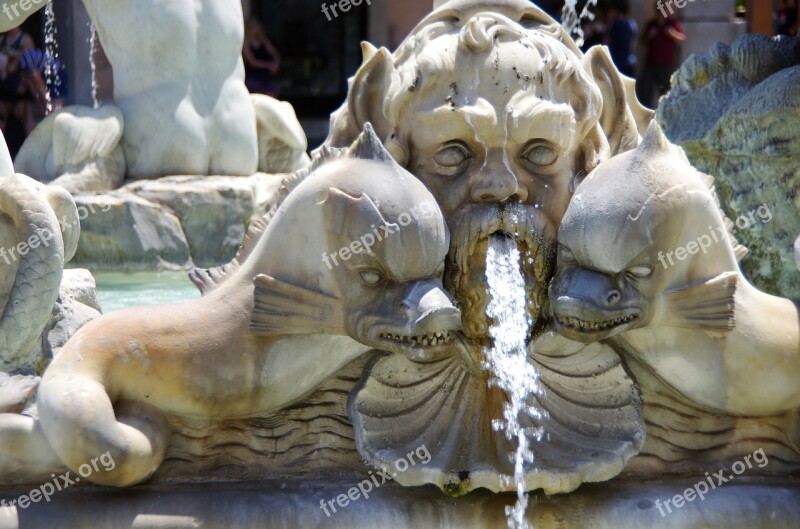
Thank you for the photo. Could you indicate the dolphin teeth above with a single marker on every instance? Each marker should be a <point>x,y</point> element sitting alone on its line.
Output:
<point>576,323</point>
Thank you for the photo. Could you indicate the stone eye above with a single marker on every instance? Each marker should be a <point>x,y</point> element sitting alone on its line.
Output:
<point>640,271</point>
<point>566,255</point>
<point>540,154</point>
<point>371,278</point>
<point>452,155</point>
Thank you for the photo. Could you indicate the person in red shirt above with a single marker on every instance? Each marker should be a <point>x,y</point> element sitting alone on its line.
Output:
<point>662,38</point>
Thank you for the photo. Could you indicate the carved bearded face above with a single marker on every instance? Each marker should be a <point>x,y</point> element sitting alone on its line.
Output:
<point>495,141</point>
<point>499,121</point>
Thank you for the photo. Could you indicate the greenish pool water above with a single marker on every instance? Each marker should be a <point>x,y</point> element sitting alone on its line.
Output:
<point>117,291</point>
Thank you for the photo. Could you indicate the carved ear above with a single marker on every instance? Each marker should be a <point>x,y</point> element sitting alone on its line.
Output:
<point>616,119</point>
<point>368,91</point>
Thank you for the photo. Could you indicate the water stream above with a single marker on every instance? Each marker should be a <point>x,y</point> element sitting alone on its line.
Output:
<point>52,76</point>
<point>572,20</point>
<point>507,361</point>
<point>92,51</point>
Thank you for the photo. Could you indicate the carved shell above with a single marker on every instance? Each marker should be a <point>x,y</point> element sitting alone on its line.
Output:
<point>594,420</point>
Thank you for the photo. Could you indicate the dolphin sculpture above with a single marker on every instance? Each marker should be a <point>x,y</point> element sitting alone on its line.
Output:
<point>648,261</point>
<point>349,262</point>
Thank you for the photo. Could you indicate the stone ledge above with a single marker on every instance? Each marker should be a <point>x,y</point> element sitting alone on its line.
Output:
<point>255,505</point>
<point>173,223</point>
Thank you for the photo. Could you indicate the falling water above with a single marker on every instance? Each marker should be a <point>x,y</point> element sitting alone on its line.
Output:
<point>92,51</point>
<point>571,20</point>
<point>51,74</point>
<point>507,360</point>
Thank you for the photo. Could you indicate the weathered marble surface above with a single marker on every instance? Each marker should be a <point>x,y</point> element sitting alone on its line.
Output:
<point>75,307</point>
<point>735,112</point>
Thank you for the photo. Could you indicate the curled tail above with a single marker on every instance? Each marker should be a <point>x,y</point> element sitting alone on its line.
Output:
<point>32,257</point>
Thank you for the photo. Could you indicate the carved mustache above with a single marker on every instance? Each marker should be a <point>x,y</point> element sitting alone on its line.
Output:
<point>475,222</point>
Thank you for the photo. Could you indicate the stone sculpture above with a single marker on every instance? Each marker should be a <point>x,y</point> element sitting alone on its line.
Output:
<point>496,110</point>
<point>77,148</point>
<point>39,230</point>
<point>161,123</point>
<point>282,144</point>
<point>469,104</point>
<point>160,51</point>
<point>297,365</point>
<point>671,289</point>
<point>344,266</point>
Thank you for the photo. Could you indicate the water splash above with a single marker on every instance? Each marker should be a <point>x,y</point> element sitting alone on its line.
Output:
<point>52,76</point>
<point>507,360</point>
<point>571,20</point>
<point>92,51</point>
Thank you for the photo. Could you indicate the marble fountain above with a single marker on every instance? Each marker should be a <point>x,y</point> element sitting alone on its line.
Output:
<point>501,294</point>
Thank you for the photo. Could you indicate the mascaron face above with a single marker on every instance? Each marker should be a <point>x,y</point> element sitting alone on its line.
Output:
<point>495,135</point>
<point>496,132</point>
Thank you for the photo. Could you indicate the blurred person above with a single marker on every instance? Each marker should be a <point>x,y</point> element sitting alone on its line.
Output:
<point>621,37</point>
<point>662,38</point>
<point>261,60</point>
<point>16,90</point>
<point>34,65</point>
<point>787,19</point>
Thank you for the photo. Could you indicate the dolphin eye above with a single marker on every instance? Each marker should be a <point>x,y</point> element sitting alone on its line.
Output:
<point>540,154</point>
<point>639,271</point>
<point>371,278</point>
<point>566,255</point>
<point>452,156</point>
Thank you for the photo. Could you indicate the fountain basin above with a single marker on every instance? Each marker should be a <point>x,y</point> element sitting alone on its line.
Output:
<point>619,504</point>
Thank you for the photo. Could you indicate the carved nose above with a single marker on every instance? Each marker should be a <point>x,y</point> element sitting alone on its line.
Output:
<point>613,297</point>
<point>501,186</point>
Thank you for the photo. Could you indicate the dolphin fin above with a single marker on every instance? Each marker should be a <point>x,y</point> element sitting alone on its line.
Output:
<point>708,306</point>
<point>208,279</point>
<point>281,308</point>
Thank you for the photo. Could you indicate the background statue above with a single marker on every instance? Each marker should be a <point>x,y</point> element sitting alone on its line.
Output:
<point>179,83</point>
<point>180,104</point>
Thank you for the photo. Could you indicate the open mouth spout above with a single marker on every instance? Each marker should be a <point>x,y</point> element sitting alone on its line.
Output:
<point>466,278</point>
